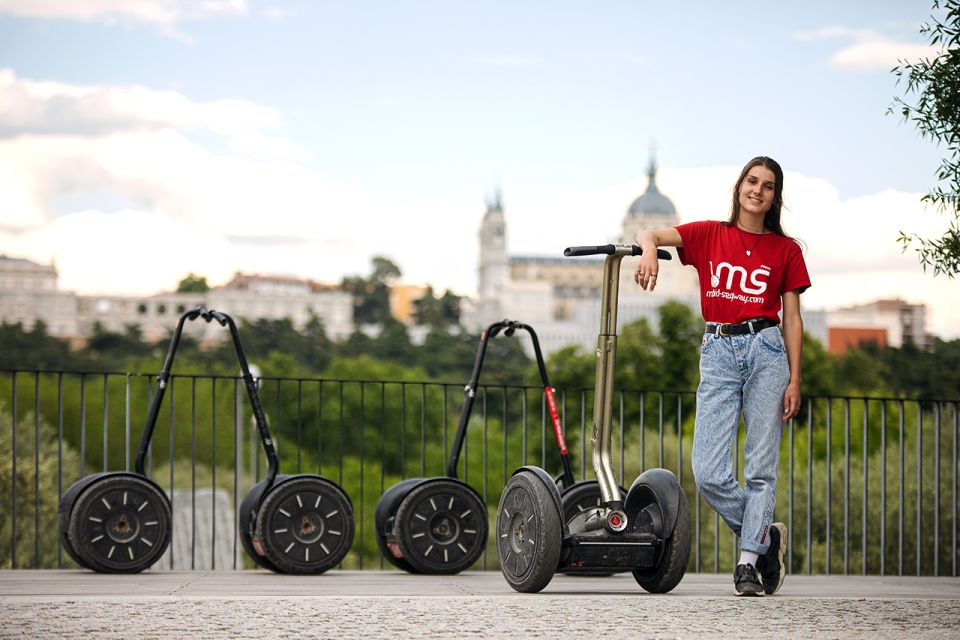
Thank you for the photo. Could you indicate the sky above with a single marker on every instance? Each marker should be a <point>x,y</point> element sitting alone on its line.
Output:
<point>141,140</point>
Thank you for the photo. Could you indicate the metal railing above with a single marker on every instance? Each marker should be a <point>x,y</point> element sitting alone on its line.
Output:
<point>866,485</point>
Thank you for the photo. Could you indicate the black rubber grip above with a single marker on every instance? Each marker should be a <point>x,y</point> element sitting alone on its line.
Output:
<point>609,249</point>
<point>606,249</point>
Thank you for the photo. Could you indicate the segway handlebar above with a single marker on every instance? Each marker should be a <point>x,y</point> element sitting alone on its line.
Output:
<point>224,320</point>
<point>612,249</point>
<point>509,327</point>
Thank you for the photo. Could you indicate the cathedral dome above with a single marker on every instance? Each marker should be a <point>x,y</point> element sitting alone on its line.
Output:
<point>652,202</point>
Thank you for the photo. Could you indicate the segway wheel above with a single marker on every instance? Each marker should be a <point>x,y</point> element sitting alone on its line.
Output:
<point>529,533</point>
<point>441,527</point>
<point>119,524</point>
<point>676,554</point>
<point>305,525</point>
<point>385,515</point>
<point>246,515</point>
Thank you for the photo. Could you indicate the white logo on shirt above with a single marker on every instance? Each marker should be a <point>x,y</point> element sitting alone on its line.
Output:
<point>757,277</point>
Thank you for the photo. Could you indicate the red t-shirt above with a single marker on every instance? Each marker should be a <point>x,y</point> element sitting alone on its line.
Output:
<point>735,286</point>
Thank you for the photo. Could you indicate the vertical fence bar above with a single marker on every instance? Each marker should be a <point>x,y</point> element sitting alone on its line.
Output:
<point>583,435</point>
<point>643,429</point>
<point>660,426</point>
<point>523,426</point>
<point>790,504</point>
<point>483,405</point>
<point>423,433</point>
<point>237,458</point>
<point>866,431</point>
<point>340,418</point>
<point>193,473</point>
<point>543,429</point>
<point>403,430</point>
<point>213,473</point>
<point>36,471</point>
<point>170,388</point>
<point>13,475</point>
<point>621,438</point>
<point>523,401</point>
<point>829,467</point>
<point>809,483</point>
<point>919,481</point>
<point>106,422</point>
<point>320,431</point>
<point>126,422</point>
<point>443,413</point>
<point>900,514</point>
<point>83,423</point>
<point>846,486</point>
<point>883,487</point>
<point>953,546</point>
<point>363,428</point>
<point>936,489</point>
<point>59,454</point>
<point>679,437</point>
<point>299,424</point>
<point>503,418</point>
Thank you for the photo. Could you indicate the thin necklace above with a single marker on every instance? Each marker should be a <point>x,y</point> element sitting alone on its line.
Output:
<point>756,242</point>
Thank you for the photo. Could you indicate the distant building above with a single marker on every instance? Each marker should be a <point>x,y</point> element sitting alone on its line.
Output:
<point>560,297</point>
<point>28,292</point>
<point>891,323</point>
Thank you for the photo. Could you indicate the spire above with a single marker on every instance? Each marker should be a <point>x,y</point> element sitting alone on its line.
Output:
<point>496,204</point>
<point>652,169</point>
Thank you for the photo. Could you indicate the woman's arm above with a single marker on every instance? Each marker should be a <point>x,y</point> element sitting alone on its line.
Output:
<point>793,340</point>
<point>647,268</point>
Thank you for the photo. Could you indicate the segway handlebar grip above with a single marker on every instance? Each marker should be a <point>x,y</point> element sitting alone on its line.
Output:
<point>662,254</point>
<point>610,249</point>
<point>603,249</point>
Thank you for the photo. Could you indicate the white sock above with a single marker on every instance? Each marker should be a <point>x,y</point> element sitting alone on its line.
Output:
<point>748,557</point>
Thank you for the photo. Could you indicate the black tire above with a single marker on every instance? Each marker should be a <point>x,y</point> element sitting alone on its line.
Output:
<point>441,527</point>
<point>119,524</point>
<point>529,533</point>
<point>676,554</point>
<point>384,516</point>
<point>246,514</point>
<point>305,525</point>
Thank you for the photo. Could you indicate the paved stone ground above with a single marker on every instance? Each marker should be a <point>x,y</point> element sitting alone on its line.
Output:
<point>390,604</point>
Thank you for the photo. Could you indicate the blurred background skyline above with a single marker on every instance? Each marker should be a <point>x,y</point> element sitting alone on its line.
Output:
<point>144,139</point>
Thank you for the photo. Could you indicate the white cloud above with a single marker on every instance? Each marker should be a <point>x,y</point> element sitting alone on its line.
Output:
<point>869,50</point>
<point>160,12</point>
<point>174,206</point>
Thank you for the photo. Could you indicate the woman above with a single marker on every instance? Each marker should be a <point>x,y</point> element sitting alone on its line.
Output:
<point>749,270</point>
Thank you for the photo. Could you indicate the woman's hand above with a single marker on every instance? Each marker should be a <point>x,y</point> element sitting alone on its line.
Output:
<point>647,268</point>
<point>791,401</point>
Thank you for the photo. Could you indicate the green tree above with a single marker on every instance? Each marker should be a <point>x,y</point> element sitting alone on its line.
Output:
<point>935,112</point>
<point>371,295</point>
<point>33,349</point>
<point>193,284</point>
<point>435,312</point>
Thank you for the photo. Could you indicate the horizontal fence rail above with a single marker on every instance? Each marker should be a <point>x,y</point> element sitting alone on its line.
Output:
<point>866,485</point>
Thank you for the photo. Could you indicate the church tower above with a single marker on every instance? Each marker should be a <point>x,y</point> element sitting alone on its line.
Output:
<point>493,269</point>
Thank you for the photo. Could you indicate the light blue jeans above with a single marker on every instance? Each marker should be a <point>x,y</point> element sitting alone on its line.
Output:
<point>748,374</point>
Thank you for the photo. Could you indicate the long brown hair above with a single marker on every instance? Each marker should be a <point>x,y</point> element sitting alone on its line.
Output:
<point>771,220</point>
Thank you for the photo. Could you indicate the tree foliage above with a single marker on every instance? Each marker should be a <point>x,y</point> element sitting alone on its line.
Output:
<point>934,85</point>
<point>193,283</point>
<point>371,294</point>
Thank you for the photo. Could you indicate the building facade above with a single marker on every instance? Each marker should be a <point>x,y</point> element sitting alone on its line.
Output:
<point>560,297</point>
<point>28,293</point>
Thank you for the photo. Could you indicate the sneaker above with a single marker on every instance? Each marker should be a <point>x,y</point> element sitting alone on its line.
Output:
<point>770,565</point>
<point>746,582</point>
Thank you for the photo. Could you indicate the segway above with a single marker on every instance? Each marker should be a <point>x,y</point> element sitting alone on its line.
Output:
<point>121,522</point>
<point>648,533</point>
<point>439,525</point>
